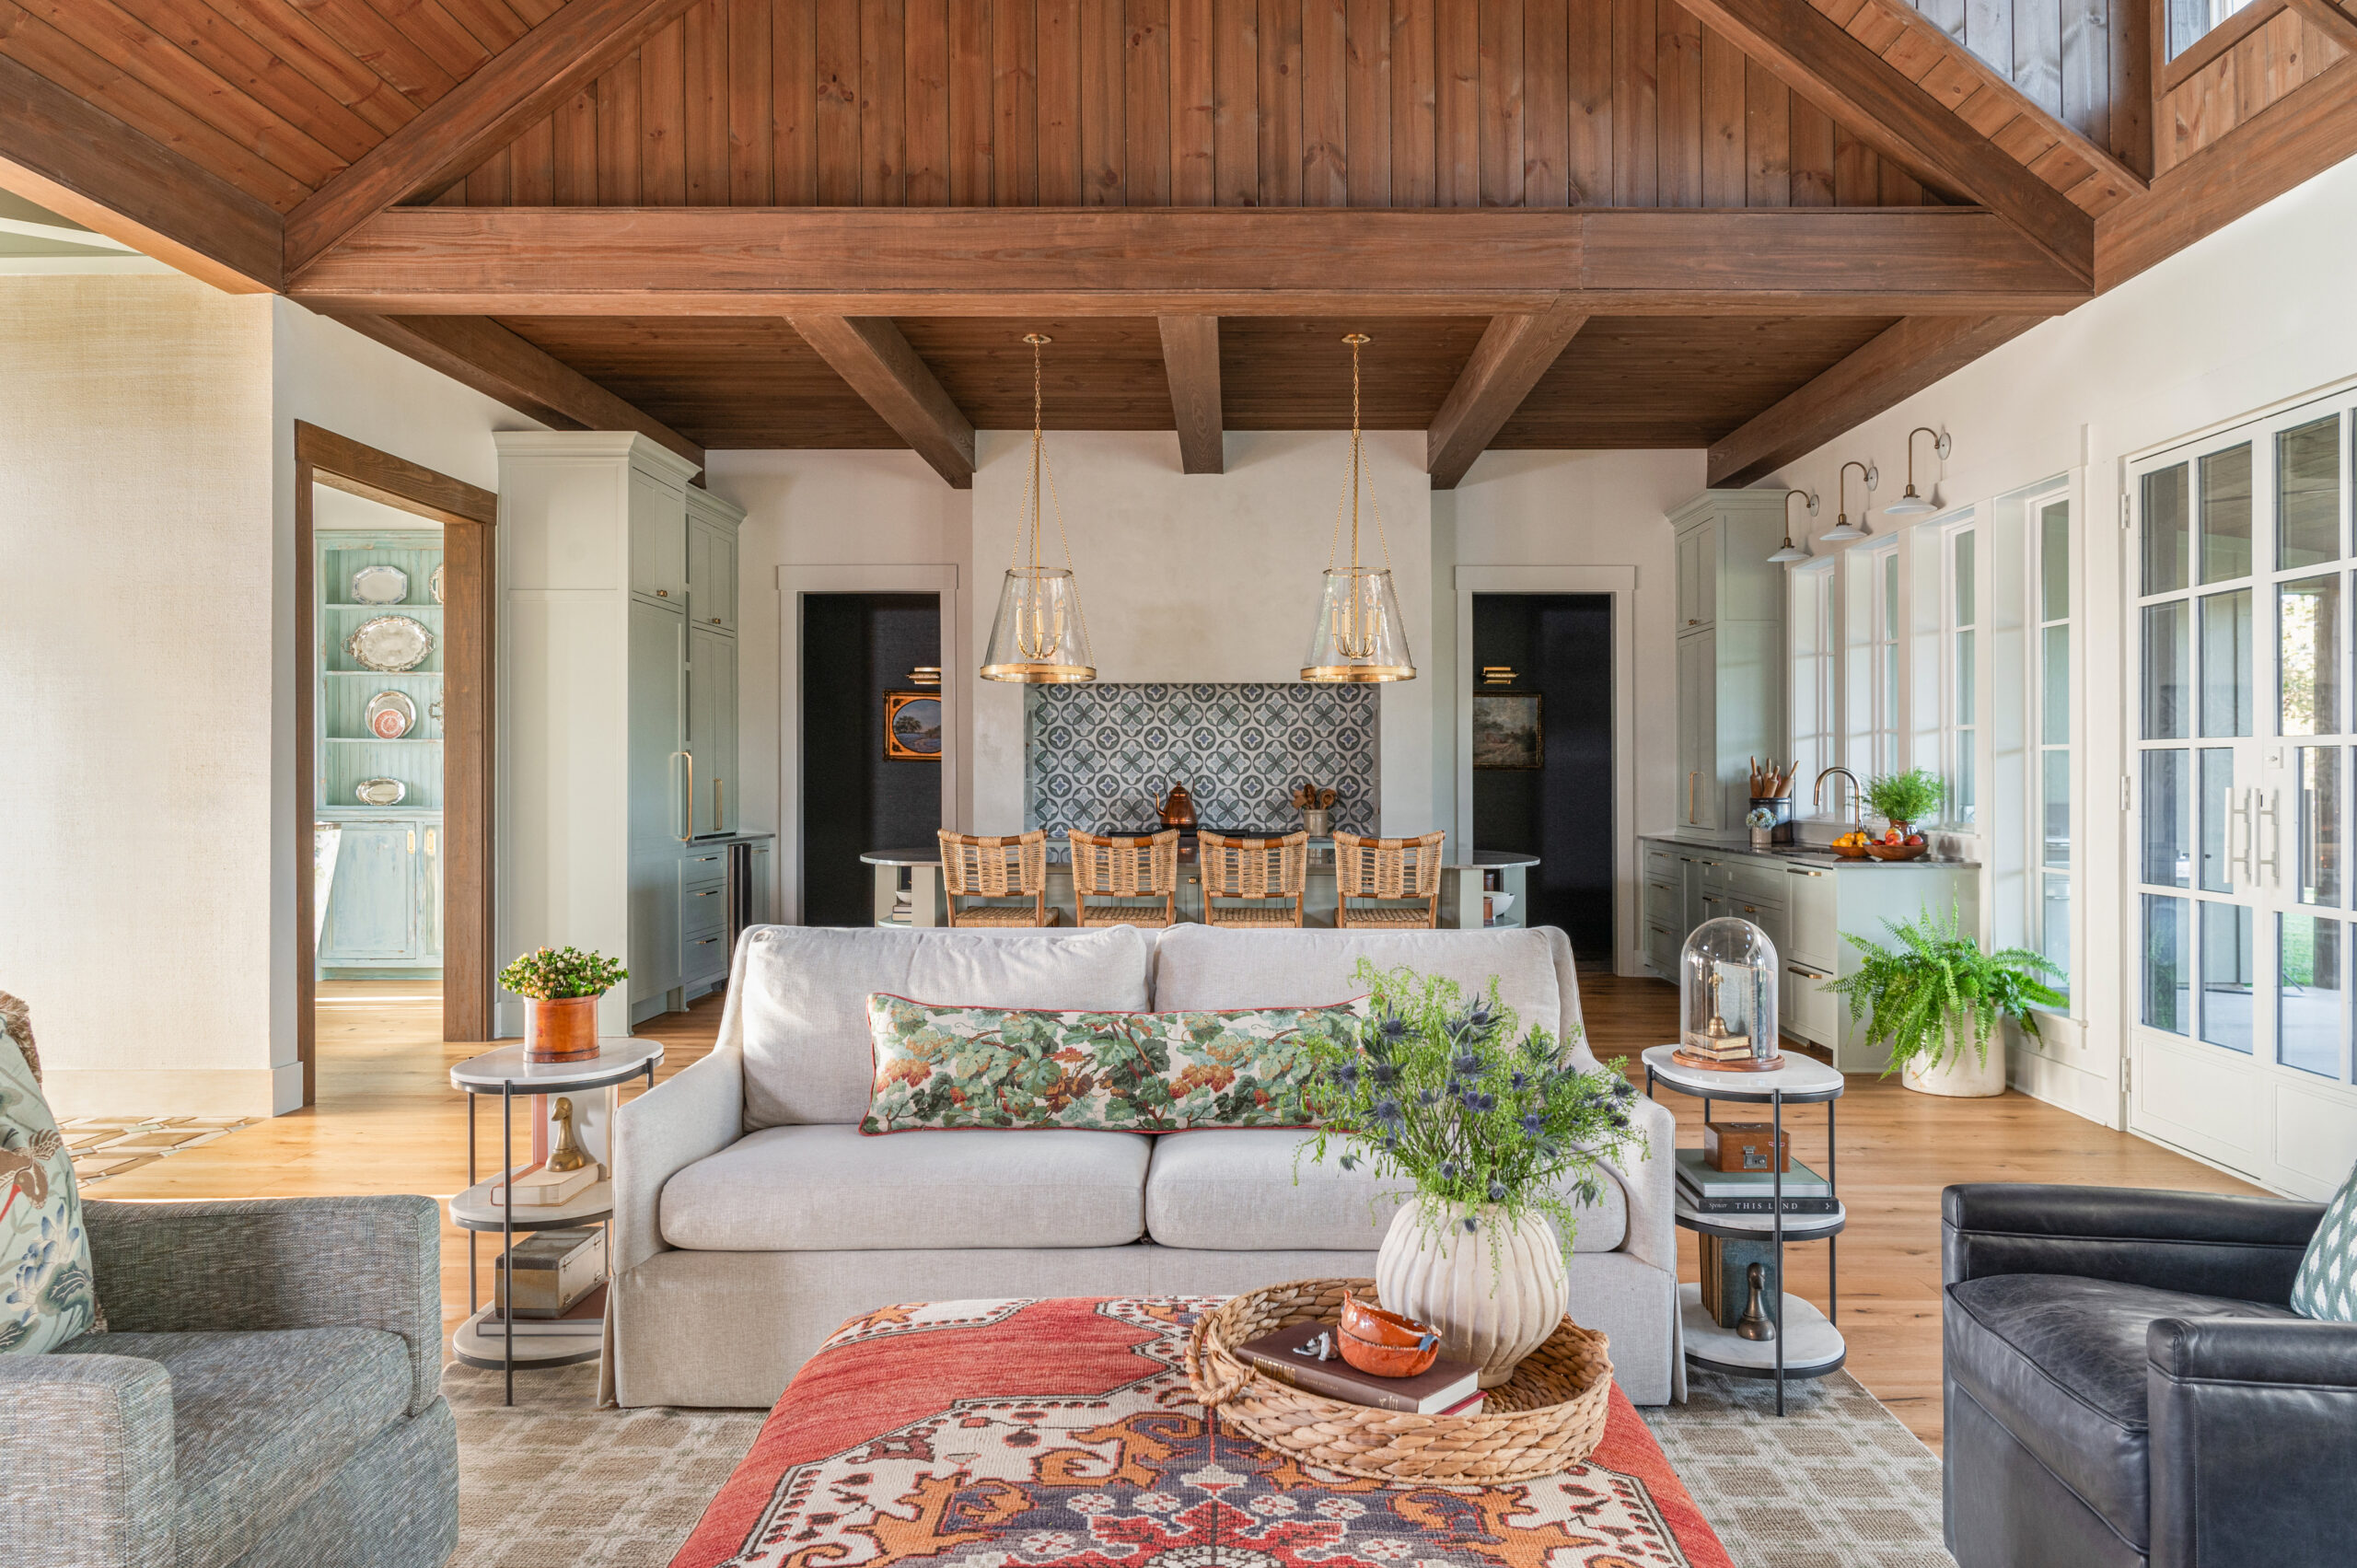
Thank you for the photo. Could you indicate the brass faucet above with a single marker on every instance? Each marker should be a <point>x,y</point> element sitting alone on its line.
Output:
<point>1817,795</point>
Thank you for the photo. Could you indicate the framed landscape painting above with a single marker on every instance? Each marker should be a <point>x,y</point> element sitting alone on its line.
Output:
<point>1506,732</point>
<point>912,727</point>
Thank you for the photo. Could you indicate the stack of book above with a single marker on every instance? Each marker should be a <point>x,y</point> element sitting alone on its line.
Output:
<point>1709,1191</point>
<point>1291,1357</point>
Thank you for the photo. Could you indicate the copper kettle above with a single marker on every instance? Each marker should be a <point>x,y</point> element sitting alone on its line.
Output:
<point>1178,807</point>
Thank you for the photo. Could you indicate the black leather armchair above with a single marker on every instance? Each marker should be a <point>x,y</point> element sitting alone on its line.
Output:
<point>2126,1383</point>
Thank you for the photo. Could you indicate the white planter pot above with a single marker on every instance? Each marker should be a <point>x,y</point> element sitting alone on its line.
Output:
<point>1493,1293</point>
<point>1963,1075</point>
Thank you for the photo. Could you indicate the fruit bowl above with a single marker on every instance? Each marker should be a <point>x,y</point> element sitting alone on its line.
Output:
<point>1849,852</point>
<point>1898,852</point>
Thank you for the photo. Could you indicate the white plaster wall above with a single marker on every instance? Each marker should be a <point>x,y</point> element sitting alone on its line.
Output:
<point>136,652</point>
<point>2250,316</point>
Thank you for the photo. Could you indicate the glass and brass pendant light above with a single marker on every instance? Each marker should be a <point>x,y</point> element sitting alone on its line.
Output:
<point>1040,636</point>
<point>1360,634</point>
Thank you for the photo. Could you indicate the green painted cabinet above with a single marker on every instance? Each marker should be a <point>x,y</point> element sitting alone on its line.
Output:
<point>383,903</point>
<point>711,728</point>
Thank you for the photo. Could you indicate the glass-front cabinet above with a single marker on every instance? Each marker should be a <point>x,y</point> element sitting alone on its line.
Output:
<point>2241,733</point>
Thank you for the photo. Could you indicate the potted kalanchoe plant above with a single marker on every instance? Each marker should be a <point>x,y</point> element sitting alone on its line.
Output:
<point>1935,992</point>
<point>561,987</point>
<point>1496,1135</point>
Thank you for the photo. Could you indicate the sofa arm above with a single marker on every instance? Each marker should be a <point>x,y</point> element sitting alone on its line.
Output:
<point>86,1478</point>
<point>2254,1440</point>
<point>1649,1178</point>
<point>276,1263</point>
<point>693,1115</point>
<point>2204,1243</point>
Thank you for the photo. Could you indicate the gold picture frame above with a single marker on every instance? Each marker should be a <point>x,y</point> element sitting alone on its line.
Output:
<point>912,727</point>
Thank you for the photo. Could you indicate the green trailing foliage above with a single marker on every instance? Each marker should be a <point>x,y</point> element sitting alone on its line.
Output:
<point>553,974</point>
<point>1441,1094</point>
<point>1936,987</point>
<point>1910,797</point>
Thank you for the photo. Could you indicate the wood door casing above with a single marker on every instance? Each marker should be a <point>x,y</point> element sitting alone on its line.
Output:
<point>468,514</point>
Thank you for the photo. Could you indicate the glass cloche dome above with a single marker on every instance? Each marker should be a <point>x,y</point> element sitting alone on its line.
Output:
<point>1727,997</point>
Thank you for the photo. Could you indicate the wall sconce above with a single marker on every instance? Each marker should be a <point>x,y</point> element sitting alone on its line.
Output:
<point>1911,505</point>
<point>1792,552</point>
<point>1497,675</point>
<point>1842,532</point>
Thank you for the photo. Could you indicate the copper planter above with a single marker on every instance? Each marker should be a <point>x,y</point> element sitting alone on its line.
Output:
<point>561,1030</point>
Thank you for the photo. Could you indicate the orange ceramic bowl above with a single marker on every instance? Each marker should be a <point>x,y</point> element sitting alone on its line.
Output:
<point>1384,1344</point>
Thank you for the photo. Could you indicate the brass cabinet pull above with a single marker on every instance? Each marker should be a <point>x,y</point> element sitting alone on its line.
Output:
<point>1801,871</point>
<point>715,620</point>
<point>429,841</point>
<point>716,799</point>
<point>690,798</point>
<point>662,593</point>
<point>1804,974</point>
<point>1691,779</point>
<point>412,841</point>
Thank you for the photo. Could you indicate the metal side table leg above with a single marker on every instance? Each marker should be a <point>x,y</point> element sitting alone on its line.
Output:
<point>1776,1313</point>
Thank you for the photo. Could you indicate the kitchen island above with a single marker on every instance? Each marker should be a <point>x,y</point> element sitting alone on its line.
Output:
<point>908,892</point>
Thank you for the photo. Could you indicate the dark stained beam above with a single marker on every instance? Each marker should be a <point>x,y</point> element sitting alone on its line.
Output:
<point>1190,358</point>
<point>84,164</point>
<point>496,362</point>
<point>1897,364</point>
<point>1515,351</point>
<point>2291,140</point>
<point>1814,56</point>
<point>869,352</point>
<point>490,108</point>
<point>1202,261</point>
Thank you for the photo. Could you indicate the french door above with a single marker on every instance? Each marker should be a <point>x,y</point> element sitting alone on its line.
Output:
<point>2240,976</point>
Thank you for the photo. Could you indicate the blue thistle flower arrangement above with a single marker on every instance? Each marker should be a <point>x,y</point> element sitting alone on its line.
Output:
<point>1445,1095</point>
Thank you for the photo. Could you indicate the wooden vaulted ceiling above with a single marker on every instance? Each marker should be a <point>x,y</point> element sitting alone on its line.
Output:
<point>525,193</point>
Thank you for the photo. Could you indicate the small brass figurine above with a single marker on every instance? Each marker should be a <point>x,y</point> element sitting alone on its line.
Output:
<point>1716,1039</point>
<point>1755,1323</point>
<point>565,1152</point>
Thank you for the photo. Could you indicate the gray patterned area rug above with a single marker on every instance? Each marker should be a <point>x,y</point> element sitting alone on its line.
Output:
<point>555,1482</point>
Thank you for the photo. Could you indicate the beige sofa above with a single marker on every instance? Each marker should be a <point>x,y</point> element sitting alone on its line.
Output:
<point>751,1217</point>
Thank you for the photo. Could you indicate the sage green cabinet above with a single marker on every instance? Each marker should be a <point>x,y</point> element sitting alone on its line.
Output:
<point>712,568</point>
<point>1730,635</point>
<point>712,729</point>
<point>658,539</point>
<point>384,905</point>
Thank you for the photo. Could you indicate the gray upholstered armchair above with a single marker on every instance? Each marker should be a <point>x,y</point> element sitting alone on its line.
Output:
<point>266,1395</point>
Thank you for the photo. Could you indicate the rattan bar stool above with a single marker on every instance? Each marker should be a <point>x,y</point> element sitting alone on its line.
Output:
<point>1396,869</point>
<point>996,868</point>
<point>1132,869</point>
<point>1267,874</point>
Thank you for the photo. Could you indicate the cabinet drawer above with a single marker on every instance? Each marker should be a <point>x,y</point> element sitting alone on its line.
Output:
<point>1812,1012</point>
<point>703,957</point>
<point>1761,881</point>
<point>1663,903</point>
<point>1661,864</point>
<point>1661,951</point>
<point>1812,894</point>
<point>703,909</point>
<point>704,868</point>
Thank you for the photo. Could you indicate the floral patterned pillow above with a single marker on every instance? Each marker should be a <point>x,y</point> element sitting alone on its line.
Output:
<point>1000,1067</point>
<point>46,1293</point>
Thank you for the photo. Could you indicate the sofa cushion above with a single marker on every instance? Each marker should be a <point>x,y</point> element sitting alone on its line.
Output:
<point>1007,1067</point>
<point>1208,966</point>
<point>260,1418</point>
<point>2327,1286</point>
<point>1245,1190</point>
<point>46,1293</point>
<point>2060,1362</point>
<point>799,1002</point>
<point>830,1190</point>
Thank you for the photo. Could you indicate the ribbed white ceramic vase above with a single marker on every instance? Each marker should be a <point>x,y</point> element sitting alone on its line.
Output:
<point>1494,1293</point>
<point>1965,1074</point>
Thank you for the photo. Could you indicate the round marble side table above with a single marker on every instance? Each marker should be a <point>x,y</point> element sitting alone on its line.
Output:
<point>486,1204</point>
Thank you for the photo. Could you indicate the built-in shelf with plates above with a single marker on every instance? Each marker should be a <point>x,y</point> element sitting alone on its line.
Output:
<point>377,769</point>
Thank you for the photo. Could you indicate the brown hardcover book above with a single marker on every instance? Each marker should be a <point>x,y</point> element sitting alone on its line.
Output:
<point>1436,1391</point>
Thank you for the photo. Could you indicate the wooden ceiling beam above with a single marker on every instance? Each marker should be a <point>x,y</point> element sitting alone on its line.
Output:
<point>1817,58</point>
<point>1206,260</point>
<point>1900,362</point>
<point>496,362</point>
<point>1191,359</point>
<point>870,352</point>
<point>1514,353</point>
<point>82,163</point>
<point>490,108</point>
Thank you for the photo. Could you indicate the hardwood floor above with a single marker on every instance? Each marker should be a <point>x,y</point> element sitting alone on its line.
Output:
<point>387,1122</point>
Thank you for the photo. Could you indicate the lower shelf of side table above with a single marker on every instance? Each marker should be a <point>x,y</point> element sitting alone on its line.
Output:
<point>1813,1346</point>
<point>479,1344</point>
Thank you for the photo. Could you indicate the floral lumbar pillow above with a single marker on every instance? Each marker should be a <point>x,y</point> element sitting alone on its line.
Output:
<point>2326,1287</point>
<point>46,1293</point>
<point>1004,1067</point>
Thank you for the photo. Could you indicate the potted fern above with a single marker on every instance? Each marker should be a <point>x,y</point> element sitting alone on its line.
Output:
<point>1935,998</point>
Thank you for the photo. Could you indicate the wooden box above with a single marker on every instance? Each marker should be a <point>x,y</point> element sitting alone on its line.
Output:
<point>1744,1145</point>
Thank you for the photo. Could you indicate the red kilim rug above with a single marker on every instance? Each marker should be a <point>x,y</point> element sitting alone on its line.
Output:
<point>1025,1433</point>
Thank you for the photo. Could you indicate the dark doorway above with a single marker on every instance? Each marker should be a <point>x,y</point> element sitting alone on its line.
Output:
<point>1557,649</point>
<point>857,648</point>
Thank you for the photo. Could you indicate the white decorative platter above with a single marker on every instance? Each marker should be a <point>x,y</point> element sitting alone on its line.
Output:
<point>390,644</point>
<point>390,715</point>
<point>434,582</point>
<point>379,585</point>
<point>379,791</point>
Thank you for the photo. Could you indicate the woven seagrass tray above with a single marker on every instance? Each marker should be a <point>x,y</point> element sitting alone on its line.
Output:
<point>1548,1417</point>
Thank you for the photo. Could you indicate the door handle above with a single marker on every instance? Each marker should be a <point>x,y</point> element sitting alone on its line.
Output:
<point>2242,811</point>
<point>2270,810</point>
<point>690,798</point>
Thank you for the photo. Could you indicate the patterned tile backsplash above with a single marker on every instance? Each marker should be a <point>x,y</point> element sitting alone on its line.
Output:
<point>1099,757</point>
